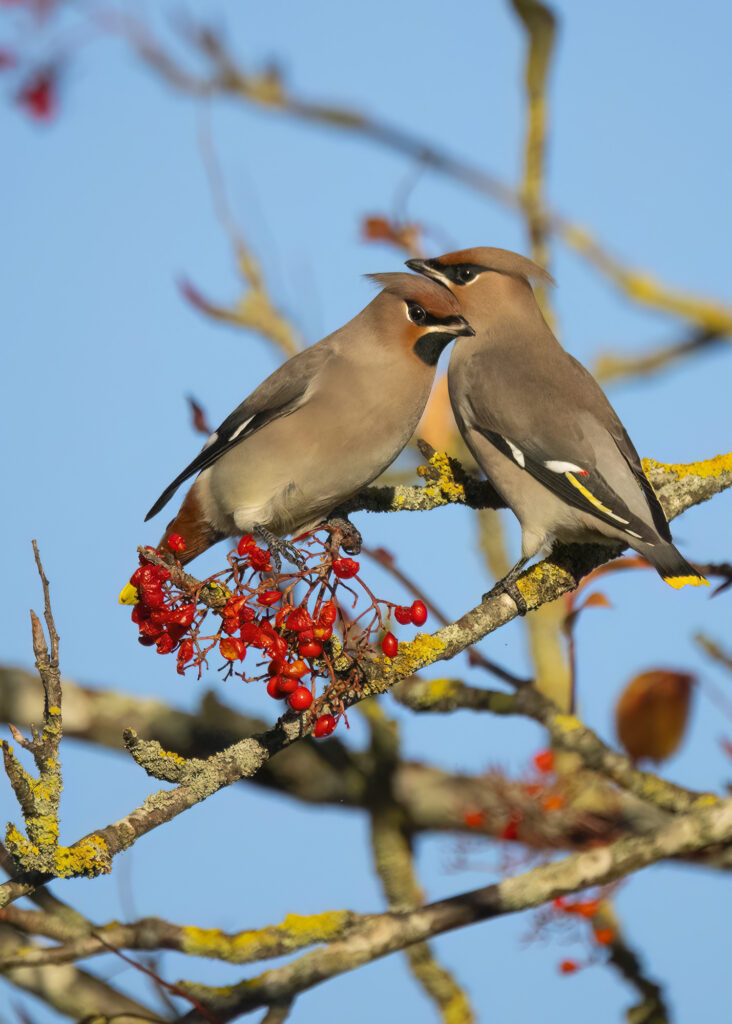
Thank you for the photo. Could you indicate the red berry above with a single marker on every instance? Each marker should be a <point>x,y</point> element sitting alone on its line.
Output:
<point>232,649</point>
<point>275,667</point>
<point>311,649</point>
<point>153,597</point>
<point>328,614</point>
<point>146,641</point>
<point>299,620</point>
<point>245,544</point>
<point>184,615</point>
<point>345,568</point>
<point>511,829</point>
<point>269,597</point>
<point>322,633</point>
<point>252,634</point>
<point>165,644</point>
<point>544,761</point>
<point>176,632</point>
<point>402,614</point>
<point>568,967</point>
<point>300,699</point>
<point>288,685</point>
<point>149,576</point>
<point>176,542</point>
<point>390,645</point>
<point>185,651</point>
<point>39,96</point>
<point>418,613</point>
<point>604,936</point>
<point>259,559</point>
<point>274,690</point>
<point>586,908</point>
<point>324,726</point>
<point>296,669</point>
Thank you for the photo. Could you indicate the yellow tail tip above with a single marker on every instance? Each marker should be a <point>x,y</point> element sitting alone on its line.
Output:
<point>129,595</point>
<point>677,582</point>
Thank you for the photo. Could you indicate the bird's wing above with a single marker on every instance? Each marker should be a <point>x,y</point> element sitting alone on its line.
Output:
<point>627,450</point>
<point>279,395</point>
<point>575,480</point>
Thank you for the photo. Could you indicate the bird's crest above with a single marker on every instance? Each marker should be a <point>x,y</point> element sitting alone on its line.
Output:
<point>502,260</point>
<point>436,299</point>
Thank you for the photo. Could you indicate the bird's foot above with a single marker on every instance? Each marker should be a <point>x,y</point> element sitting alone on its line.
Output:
<point>343,534</point>
<point>508,586</point>
<point>280,548</point>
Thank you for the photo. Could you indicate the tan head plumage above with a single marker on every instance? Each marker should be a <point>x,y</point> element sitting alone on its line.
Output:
<point>436,299</point>
<point>502,260</point>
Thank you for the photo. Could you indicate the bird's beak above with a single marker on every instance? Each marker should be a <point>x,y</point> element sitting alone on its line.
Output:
<point>466,331</point>
<point>423,267</point>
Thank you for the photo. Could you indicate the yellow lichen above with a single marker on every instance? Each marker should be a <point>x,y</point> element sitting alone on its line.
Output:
<point>436,690</point>
<point>445,488</point>
<point>54,709</point>
<point>295,932</point>
<point>567,723</point>
<point>707,468</point>
<point>531,586</point>
<point>172,755</point>
<point>88,857</point>
<point>18,844</point>
<point>43,829</point>
<point>415,654</point>
<point>706,800</point>
<point>315,927</point>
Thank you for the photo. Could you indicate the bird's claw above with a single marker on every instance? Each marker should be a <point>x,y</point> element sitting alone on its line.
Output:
<point>280,548</point>
<point>343,534</point>
<point>508,587</point>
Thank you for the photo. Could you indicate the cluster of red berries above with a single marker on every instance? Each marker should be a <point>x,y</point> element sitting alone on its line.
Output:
<point>291,641</point>
<point>416,614</point>
<point>160,623</point>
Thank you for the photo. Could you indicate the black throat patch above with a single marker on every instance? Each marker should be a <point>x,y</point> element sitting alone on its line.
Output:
<point>430,346</point>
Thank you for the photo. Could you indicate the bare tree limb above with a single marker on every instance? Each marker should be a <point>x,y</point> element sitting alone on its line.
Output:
<point>679,487</point>
<point>386,933</point>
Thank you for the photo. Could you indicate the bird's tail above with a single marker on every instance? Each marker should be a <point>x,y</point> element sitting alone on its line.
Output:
<point>191,525</point>
<point>672,567</point>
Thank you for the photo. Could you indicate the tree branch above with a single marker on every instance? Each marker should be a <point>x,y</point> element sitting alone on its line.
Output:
<point>386,933</point>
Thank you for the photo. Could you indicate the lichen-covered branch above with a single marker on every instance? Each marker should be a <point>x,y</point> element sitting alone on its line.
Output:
<point>567,732</point>
<point>679,487</point>
<point>81,941</point>
<point>431,799</point>
<point>67,989</point>
<point>387,933</point>
<point>39,797</point>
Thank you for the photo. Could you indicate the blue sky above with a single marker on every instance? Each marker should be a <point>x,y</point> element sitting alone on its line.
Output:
<point>104,209</point>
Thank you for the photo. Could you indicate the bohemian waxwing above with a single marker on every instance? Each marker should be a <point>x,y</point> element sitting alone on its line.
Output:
<point>324,424</point>
<point>538,423</point>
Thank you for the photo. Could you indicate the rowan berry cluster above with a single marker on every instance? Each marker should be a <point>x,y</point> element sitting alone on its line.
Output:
<point>292,629</point>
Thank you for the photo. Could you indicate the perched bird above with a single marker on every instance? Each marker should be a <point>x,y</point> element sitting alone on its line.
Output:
<point>540,426</point>
<point>324,424</point>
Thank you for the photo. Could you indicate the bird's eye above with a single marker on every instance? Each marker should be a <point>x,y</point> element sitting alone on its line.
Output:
<point>465,274</point>
<point>416,313</point>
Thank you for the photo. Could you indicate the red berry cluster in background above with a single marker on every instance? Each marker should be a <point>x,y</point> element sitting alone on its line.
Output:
<point>288,628</point>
